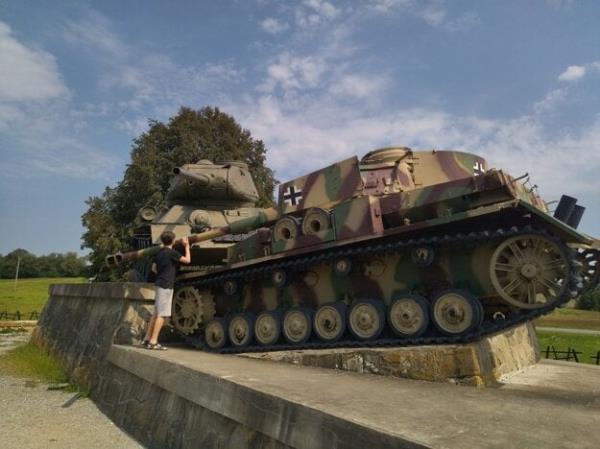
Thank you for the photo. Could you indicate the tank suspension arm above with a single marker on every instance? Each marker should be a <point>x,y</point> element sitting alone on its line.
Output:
<point>203,180</point>
<point>264,217</point>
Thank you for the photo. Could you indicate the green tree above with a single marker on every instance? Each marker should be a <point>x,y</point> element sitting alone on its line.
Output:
<point>188,137</point>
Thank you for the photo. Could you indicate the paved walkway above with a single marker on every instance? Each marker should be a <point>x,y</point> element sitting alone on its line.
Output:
<point>32,417</point>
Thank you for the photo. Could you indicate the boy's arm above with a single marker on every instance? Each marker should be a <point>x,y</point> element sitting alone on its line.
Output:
<point>153,268</point>
<point>187,258</point>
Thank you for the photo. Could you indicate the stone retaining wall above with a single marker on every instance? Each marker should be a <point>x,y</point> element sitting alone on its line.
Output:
<point>80,322</point>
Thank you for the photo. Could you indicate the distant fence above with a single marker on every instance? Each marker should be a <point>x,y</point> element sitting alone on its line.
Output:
<point>571,354</point>
<point>18,316</point>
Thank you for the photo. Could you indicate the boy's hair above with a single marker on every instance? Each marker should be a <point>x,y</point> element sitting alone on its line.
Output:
<point>167,237</point>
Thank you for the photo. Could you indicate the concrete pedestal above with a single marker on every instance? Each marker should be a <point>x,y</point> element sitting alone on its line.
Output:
<point>184,399</point>
<point>482,363</point>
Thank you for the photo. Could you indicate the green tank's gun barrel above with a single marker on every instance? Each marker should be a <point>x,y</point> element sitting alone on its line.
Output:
<point>264,217</point>
<point>201,179</point>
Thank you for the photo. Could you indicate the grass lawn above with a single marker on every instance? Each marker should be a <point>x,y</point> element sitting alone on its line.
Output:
<point>30,295</point>
<point>571,318</point>
<point>589,345</point>
<point>30,362</point>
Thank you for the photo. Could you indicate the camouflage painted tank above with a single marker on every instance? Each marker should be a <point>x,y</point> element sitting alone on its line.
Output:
<point>401,247</point>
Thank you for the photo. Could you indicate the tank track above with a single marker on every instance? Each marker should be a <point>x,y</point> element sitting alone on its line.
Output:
<point>574,287</point>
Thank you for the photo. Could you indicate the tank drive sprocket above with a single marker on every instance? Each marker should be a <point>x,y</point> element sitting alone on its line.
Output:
<point>530,271</point>
<point>191,309</point>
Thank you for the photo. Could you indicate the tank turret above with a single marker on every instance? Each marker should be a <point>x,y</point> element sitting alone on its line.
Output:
<point>206,184</point>
<point>400,247</point>
<point>202,196</point>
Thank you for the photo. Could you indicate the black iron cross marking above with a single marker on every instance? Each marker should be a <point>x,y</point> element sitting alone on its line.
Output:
<point>478,169</point>
<point>291,196</point>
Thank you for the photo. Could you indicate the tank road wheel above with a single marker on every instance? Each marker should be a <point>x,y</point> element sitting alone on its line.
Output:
<point>367,319</point>
<point>315,220</point>
<point>267,328</point>
<point>241,329</point>
<point>590,269</point>
<point>297,325</point>
<point>215,333</point>
<point>529,271</point>
<point>408,315</point>
<point>329,322</point>
<point>455,312</point>
<point>191,309</point>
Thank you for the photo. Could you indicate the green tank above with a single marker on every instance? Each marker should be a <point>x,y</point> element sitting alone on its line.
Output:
<point>401,247</point>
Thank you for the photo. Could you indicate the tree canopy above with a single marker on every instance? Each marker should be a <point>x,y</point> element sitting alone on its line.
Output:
<point>188,137</point>
<point>51,265</point>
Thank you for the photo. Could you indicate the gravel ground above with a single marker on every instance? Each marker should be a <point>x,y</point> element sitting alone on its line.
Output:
<point>32,417</point>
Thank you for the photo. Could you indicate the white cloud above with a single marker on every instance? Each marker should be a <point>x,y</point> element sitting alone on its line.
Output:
<point>315,13</point>
<point>273,26</point>
<point>323,8</point>
<point>550,101</point>
<point>27,73</point>
<point>146,84</point>
<point>40,126</point>
<point>573,73</point>
<point>322,131</point>
<point>358,86</point>
<point>49,141</point>
<point>432,12</point>
<point>293,72</point>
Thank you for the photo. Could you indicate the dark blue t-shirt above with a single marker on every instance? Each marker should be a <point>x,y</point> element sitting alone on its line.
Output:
<point>167,263</point>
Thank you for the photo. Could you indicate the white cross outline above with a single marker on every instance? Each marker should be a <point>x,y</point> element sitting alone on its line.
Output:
<point>478,168</point>
<point>291,196</point>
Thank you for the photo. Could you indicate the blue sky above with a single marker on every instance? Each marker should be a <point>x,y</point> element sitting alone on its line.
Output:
<point>516,82</point>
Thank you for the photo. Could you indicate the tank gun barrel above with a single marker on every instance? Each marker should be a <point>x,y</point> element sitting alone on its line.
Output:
<point>203,180</point>
<point>264,217</point>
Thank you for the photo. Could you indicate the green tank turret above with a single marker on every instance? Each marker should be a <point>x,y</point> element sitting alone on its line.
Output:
<point>400,247</point>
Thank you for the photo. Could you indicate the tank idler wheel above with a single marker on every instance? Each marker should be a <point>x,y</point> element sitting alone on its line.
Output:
<point>230,287</point>
<point>342,266</point>
<point>279,277</point>
<point>329,322</point>
<point>241,329</point>
<point>187,312</point>
<point>297,325</point>
<point>367,319</point>
<point>215,333</point>
<point>455,312</point>
<point>267,328</point>
<point>529,271</point>
<point>408,315</point>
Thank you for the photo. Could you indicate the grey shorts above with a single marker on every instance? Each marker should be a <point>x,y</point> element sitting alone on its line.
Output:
<point>163,298</point>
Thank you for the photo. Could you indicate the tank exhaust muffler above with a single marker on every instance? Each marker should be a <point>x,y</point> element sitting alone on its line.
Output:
<point>568,211</point>
<point>575,216</point>
<point>565,208</point>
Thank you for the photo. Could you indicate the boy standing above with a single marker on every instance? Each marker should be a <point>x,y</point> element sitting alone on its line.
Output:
<point>165,265</point>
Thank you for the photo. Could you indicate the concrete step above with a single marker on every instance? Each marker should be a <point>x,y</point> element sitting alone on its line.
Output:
<point>550,405</point>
